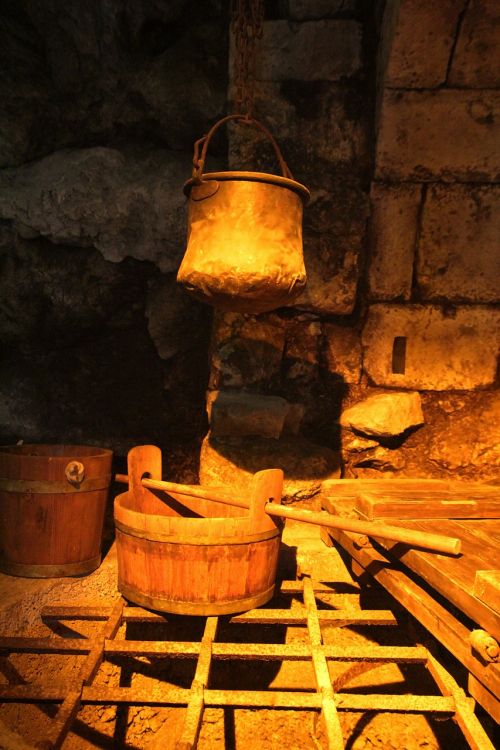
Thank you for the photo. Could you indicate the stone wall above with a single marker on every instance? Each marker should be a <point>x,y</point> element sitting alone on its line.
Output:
<point>388,113</point>
<point>101,103</point>
<point>390,356</point>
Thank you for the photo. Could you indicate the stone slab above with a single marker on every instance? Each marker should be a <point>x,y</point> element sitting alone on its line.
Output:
<point>459,248</point>
<point>476,61</point>
<point>325,50</point>
<point>451,135</point>
<point>239,414</point>
<point>422,43</point>
<point>393,234</point>
<point>342,352</point>
<point>453,350</point>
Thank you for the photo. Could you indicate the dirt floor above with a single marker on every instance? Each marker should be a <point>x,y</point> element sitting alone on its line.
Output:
<point>139,727</point>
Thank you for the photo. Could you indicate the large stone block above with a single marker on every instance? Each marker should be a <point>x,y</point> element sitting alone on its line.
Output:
<point>314,123</point>
<point>342,352</point>
<point>446,134</point>
<point>393,235</point>
<point>309,51</point>
<point>426,348</point>
<point>459,248</point>
<point>233,461</point>
<point>239,414</point>
<point>422,43</point>
<point>122,204</point>
<point>476,61</point>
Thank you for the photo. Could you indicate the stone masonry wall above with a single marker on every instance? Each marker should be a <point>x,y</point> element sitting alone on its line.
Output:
<point>388,112</point>
<point>390,357</point>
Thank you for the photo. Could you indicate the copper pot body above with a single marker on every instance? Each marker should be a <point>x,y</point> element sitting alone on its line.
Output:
<point>244,247</point>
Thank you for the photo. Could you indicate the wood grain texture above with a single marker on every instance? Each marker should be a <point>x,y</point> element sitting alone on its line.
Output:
<point>487,587</point>
<point>43,532</point>
<point>189,555</point>
<point>454,578</point>
<point>373,507</point>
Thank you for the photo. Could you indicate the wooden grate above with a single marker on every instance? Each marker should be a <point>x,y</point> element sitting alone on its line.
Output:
<point>327,699</point>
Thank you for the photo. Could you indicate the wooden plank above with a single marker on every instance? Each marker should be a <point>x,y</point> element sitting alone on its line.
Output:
<point>265,651</point>
<point>371,506</point>
<point>454,577</point>
<point>484,697</point>
<point>433,616</point>
<point>487,587</point>
<point>410,489</point>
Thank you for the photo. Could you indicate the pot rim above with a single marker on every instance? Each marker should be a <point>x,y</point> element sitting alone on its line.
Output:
<point>272,179</point>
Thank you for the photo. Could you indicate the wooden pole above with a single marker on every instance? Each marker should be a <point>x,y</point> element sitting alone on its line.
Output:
<point>433,542</point>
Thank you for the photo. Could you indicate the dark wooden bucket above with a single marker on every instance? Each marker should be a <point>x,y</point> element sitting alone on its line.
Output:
<point>52,504</point>
<point>192,556</point>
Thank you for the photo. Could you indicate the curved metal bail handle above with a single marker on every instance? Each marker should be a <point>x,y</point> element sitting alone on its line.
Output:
<point>199,159</point>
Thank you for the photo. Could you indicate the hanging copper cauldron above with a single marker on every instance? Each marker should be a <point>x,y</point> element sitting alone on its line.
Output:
<point>244,249</point>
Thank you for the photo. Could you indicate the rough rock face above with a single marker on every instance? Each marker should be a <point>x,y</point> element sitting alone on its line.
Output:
<point>101,103</point>
<point>121,203</point>
<point>232,461</point>
<point>467,442</point>
<point>176,323</point>
<point>78,74</point>
<point>385,415</point>
<point>305,55</point>
<point>78,363</point>
<point>343,352</point>
<point>246,351</point>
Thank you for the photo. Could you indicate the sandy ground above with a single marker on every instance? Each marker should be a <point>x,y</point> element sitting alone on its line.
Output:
<point>138,727</point>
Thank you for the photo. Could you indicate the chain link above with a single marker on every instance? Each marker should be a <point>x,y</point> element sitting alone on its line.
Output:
<point>247,25</point>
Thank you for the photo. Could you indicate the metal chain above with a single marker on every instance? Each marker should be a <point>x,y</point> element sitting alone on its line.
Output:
<point>247,24</point>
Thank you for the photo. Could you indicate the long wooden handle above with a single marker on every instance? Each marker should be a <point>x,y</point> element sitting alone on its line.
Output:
<point>434,542</point>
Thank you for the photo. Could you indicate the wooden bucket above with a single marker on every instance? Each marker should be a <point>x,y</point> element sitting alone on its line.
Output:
<point>52,505</point>
<point>192,556</point>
